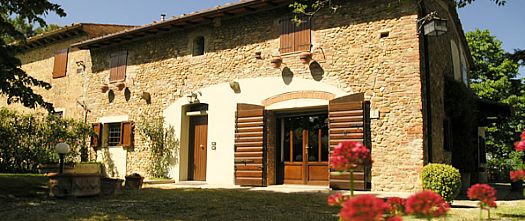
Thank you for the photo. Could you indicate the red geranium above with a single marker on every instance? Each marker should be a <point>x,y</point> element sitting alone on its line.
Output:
<point>363,208</point>
<point>522,136</point>
<point>517,175</point>
<point>484,193</point>
<point>349,155</point>
<point>396,205</point>
<point>336,199</point>
<point>520,146</point>
<point>427,204</point>
<point>394,218</point>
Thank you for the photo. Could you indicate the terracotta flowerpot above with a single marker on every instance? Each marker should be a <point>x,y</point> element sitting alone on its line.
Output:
<point>134,182</point>
<point>276,61</point>
<point>305,57</point>
<point>121,86</point>
<point>104,88</point>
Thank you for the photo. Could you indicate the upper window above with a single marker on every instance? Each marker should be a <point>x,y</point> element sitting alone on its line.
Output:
<point>118,66</point>
<point>198,46</point>
<point>295,36</point>
<point>60,63</point>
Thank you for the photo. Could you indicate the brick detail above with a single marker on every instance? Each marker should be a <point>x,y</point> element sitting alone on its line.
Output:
<point>298,95</point>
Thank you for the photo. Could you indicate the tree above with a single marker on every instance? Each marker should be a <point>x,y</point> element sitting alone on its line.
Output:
<point>495,78</point>
<point>15,84</point>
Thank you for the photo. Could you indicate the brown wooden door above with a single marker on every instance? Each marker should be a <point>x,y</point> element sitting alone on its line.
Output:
<point>305,148</point>
<point>250,154</point>
<point>198,148</point>
<point>348,122</point>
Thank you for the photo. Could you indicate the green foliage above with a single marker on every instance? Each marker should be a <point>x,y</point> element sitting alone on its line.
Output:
<point>28,140</point>
<point>162,144</point>
<point>442,179</point>
<point>15,84</point>
<point>495,78</point>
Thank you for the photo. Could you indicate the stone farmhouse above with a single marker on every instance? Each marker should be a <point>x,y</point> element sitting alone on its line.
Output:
<point>257,99</point>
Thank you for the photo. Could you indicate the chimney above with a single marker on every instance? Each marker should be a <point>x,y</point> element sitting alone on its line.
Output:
<point>162,17</point>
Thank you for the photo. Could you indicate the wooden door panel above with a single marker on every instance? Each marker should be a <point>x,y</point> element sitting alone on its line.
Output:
<point>293,173</point>
<point>198,145</point>
<point>318,173</point>
<point>347,123</point>
<point>249,146</point>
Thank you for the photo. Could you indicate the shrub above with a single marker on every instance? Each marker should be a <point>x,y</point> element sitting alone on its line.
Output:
<point>442,179</point>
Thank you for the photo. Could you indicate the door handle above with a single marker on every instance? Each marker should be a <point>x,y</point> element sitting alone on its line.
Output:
<point>202,146</point>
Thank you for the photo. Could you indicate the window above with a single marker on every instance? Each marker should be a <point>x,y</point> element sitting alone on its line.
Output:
<point>112,134</point>
<point>58,114</point>
<point>198,46</point>
<point>118,66</point>
<point>60,63</point>
<point>295,37</point>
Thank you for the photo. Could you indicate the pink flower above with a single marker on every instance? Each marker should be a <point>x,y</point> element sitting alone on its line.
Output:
<point>520,146</point>
<point>349,155</point>
<point>363,208</point>
<point>394,218</point>
<point>427,204</point>
<point>517,175</point>
<point>396,205</point>
<point>336,199</point>
<point>484,193</point>
<point>522,136</point>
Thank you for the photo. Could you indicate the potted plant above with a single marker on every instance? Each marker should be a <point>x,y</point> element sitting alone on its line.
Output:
<point>120,85</point>
<point>104,88</point>
<point>305,57</point>
<point>134,181</point>
<point>276,61</point>
<point>110,186</point>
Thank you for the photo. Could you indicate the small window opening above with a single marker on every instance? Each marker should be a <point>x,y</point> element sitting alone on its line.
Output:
<point>198,46</point>
<point>114,134</point>
<point>384,34</point>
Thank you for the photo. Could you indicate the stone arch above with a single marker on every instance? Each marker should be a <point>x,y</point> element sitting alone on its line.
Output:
<point>298,95</point>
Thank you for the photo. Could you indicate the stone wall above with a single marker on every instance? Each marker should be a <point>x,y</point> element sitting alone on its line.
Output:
<point>65,91</point>
<point>369,47</point>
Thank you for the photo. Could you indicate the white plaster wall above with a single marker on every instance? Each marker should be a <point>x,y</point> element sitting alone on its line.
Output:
<point>113,157</point>
<point>222,103</point>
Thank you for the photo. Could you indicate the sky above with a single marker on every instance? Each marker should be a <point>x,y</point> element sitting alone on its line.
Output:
<point>507,22</point>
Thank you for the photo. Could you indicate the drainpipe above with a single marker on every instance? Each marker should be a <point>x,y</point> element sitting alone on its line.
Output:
<point>426,71</point>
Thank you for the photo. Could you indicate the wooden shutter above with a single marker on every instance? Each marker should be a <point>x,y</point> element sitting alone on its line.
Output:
<point>287,36</point>
<point>250,146</point>
<point>60,63</point>
<point>347,123</point>
<point>118,66</point>
<point>302,38</point>
<point>126,134</point>
<point>95,138</point>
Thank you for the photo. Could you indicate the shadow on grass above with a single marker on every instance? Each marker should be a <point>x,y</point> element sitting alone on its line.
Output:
<point>177,204</point>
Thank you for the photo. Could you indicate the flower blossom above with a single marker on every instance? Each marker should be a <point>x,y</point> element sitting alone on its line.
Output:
<point>363,208</point>
<point>520,146</point>
<point>517,175</point>
<point>349,155</point>
<point>336,199</point>
<point>484,193</point>
<point>427,204</point>
<point>396,205</point>
<point>522,136</point>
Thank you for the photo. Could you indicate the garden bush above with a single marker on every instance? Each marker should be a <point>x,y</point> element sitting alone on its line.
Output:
<point>29,139</point>
<point>442,179</point>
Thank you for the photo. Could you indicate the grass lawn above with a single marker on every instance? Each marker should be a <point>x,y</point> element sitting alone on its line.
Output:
<point>28,203</point>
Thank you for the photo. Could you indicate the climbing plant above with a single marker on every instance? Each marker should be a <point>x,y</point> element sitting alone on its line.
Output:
<point>162,144</point>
